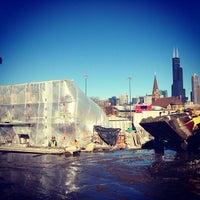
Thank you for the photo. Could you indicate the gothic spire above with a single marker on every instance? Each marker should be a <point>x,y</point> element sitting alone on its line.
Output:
<point>155,92</point>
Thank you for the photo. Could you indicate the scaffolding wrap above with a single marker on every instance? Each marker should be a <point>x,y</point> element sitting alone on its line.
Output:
<point>31,113</point>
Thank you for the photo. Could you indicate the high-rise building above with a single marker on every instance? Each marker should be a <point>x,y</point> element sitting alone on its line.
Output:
<point>163,93</point>
<point>113,101</point>
<point>177,73</point>
<point>123,99</point>
<point>195,97</point>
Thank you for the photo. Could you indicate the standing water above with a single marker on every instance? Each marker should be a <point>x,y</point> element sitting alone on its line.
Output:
<point>122,175</point>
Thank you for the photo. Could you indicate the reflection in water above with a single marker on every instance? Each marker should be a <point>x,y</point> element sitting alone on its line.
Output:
<point>113,175</point>
<point>71,172</point>
<point>179,174</point>
<point>159,156</point>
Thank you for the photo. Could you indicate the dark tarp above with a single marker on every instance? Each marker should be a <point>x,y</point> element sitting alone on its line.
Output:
<point>108,135</point>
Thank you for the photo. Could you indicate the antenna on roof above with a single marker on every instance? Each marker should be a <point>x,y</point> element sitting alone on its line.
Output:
<point>176,53</point>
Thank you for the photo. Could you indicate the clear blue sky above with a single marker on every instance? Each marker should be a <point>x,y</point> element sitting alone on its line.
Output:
<point>110,40</point>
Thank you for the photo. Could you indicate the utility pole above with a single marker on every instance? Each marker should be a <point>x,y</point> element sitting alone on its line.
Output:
<point>129,78</point>
<point>85,77</point>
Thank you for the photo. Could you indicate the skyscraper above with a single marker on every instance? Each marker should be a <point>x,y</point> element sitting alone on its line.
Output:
<point>177,72</point>
<point>195,97</point>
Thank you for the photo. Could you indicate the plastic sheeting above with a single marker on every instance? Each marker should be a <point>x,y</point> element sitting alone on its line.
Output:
<point>31,113</point>
<point>108,135</point>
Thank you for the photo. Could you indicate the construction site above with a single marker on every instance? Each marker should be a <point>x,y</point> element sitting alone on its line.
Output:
<point>31,113</point>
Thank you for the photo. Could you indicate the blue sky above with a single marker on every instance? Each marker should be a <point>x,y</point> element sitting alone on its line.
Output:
<point>110,40</point>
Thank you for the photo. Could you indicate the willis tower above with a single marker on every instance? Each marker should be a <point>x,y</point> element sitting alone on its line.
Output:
<point>177,86</point>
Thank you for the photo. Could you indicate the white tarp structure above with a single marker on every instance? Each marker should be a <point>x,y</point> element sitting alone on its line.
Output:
<point>33,112</point>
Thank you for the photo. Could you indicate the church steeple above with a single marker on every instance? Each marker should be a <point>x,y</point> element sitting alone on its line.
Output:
<point>155,92</point>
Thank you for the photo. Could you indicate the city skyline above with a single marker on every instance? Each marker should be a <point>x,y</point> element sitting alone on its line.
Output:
<point>109,41</point>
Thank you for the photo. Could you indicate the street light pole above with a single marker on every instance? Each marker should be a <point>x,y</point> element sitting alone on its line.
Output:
<point>85,77</point>
<point>129,78</point>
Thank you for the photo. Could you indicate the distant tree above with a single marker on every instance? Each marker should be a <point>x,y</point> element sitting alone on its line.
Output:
<point>110,110</point>
<point>96,100</point>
